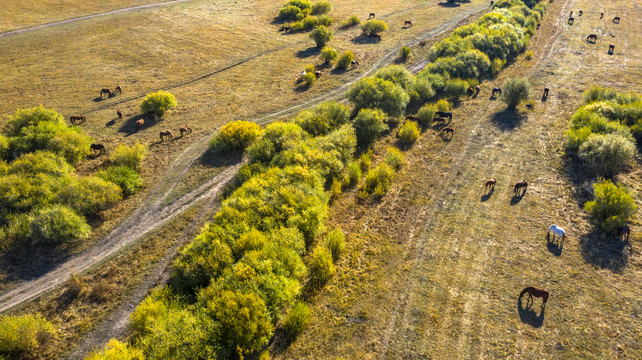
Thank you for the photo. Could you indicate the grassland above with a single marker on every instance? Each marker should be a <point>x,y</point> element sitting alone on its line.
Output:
<point>435,269</point>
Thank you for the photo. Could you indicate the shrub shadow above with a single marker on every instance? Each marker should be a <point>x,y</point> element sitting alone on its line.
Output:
<point>448,4</point>
<point>24,262</point>
<point>528,316</point>
<point>311,51</point>
<point>554,246</point>
<point>605,250</point>
<point>128,126</point>
<point>363,39</point>
<point>507,119</point>
<point>212,158</point>
<point>487,196</point>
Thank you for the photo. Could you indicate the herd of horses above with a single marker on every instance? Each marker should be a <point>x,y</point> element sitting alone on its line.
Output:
<point>592,38</point>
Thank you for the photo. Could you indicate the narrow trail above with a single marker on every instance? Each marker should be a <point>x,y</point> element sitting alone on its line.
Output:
<point>154,213</point>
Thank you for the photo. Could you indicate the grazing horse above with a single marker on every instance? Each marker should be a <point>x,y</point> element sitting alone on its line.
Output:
<point>185,130</point>
<point>611,49</point>
<point>317,73</point>
<point>440,120</point>
<point>448,130</point>
<point>287,28</point>
<point>97,147</point>
<point>496,90</point>
<point>422,43</point>
<point>447,114</point>
<point>77,119</point>
<point>616,19</point>
<point>477,90</point>
<point>470,91</point>
<point>118,90</point>
<point>556,231</point>
<point>413,118</point>
<point>139,124</point>
<point>166,134</point>
<point>105,91</point>
<point>372,15</point>
<point>623,232</point>
<point>375,36</point>
<point>571,20</point>
<point>537,292</point>
<point>580,13</point>
<point>519,185</point>
<point>408,23</point>
<point>591,38</point>
<point>490,184</point>
<point>545,92</point>
<point>538,25</point>
<point>601,15</point>
<point>354,63</point>
<point>120,114</point>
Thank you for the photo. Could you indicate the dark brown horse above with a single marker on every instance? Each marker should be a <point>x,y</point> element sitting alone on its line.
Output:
<point>139,124</point>
<point>537,292</point>
<point>120,114</point>
<point>413,118</point>
<point>354,63</point>
<point>185,130</point>
<point>616,19</point>
<point>519,185</point>
<point>601,15</point>
<point>477,90</point>
<point>317,73</point>
<point>580,13</point>
<point>470,91</point>
<point>447,114</point>
<point>105,92</point>
<point>591,38</point>
<point>623,232</point>
<point>372,15</point>
<point>77,119</point>
<point>166,134</point>
<point>611,49</point>
<point>490,184</point>
<point>496,90</point>
<point>440,120</point>
<point>407,23</point>
<point>545,92</point>
<point>448,130</point>
<point>97,147</point>
<point>118,90</point>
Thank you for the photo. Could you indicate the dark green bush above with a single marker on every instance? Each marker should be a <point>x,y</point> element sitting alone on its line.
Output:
<point>158,103</point>
<point>57,224</point>
<point>404,52</point>
<point>378,93</point>
<point>125,177</point>
<point>345,60</point>
<point>321,35</point>
<point>613,205</point>
<point>369,125</point>
<point>23,336</point>
<point>320,8</point>
<point>372,27</point>
<point>235,136</point>
<point>515,90</point>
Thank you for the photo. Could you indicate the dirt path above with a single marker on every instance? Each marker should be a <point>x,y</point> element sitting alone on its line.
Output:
<point>154,212</point>
<point>68,21</point>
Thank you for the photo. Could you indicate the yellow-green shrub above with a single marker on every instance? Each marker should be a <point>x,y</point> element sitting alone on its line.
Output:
<point>613,205</point>
<point>22,336</point>
<point>131,156</point>
<point>235,136</point>
<point>158,103</point>
<point>409,132</point>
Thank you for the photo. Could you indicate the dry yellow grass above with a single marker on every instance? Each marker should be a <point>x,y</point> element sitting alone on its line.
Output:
<point>435,269</point>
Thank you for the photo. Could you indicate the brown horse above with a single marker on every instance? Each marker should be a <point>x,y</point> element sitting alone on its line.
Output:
<point>139,124</point>
<point>407,23</point>
<point>185,130</point>
<point>591,38</point>
<point>422,43</point>
<point>413,118</point>
<point>118,90</point>
<point>611,49</point>
<point>537,292</point>
<point>470,91</point>
<point>519,185</point>
<point>545,92</point>
<point>440,120</point>
<point>375,36</point>
<point>448,130</point>
<point>166,134</point>
<point>490,184</point>
<point>105,91</point>
<point>623,232</point>
<point>354,63</point>
<point>317,73</point>
<point>372,15</point>
<point>120,114</point>
<point>97,147</point>
<point>616,20</point>
<point>77,119</point>
<point>477,90</point>
<point>447,114</point>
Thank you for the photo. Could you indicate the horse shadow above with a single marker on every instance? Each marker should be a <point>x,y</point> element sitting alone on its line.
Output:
<point>311,51</point>
<point>507,119</point>
<point>555,247</point>
<point>544,98</point>
<point>111,122</point>
<point>528,316</point>
<point>98,99</point>
<point>487,195</point>
<point>605,250</point>
<point>571,21</point>
<point>517,198</point>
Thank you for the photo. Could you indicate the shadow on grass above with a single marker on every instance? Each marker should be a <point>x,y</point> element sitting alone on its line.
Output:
<point>363,39</point>
<point>507,119</point>
<point>128,126</point>
<point>517,198</point>
<point>24,262</point>
<point>311,51</point>
<point>605,251</point>
<point>487,196</point>
<point>528,316</point>
<point>448,4</point>
<point>555,247</point>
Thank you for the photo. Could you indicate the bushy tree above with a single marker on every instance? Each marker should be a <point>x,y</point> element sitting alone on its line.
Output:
<point>328,55</point>
<point>320,8</point>
<point>294,10</point>
<point>276,137</point>
<point>235,136</point>
<point>409,132</point>
<point>514,90</point>
<point>613,205</point>
<point>323,118</point>
<point>324,20</point>
<point>369,125</point>
<point>89,194</point>
<point>23,336</point>
<point>607,154</point>
<point>372,27</point>
<point>321,36</point>
<point>116,350</point>
<point>378,93</point>
<point>4,148</point>
<point>131,156</point>
<point>158,103</point>
<point>345,60</point>
<point>57,224</point>
<point>125,177</point>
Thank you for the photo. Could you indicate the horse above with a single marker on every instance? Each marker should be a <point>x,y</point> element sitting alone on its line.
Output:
<point>440,120</point>
<point>616,20</point>
<point>545,92</point>
<point>317,73</point>
<point>407,22</point>
<point>372,15</point>
<point>556,231</point>
<point>496,90</point>
<point>580,13</point>
<point>611,49</point>
<point>77,119</point>
<point>354,63</point>
<point>490,184</point>
<point>470,91</point>
<point>591,37</point>
<point>519,185</point>
<point>537,292</point>
<point>623,232</point>
<point>166,134</point>
<point>287,28</point>
<point>449,130</point>
<point>120,114</point>
<point>477,90</point>
<point>139,124</point>
<point>492,3</point>
<point>118,90</point>
<point>538,25</point>
<point>422,43</point>
<point>105,91</point>
<point>375,36</point>
<point>97,147</point>
<point>185,130</point>
<point>447,114</point>
<point>601,15</point>
<point>413,118</point>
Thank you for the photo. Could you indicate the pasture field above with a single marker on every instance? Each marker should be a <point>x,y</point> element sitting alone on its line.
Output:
<point>435,269</point>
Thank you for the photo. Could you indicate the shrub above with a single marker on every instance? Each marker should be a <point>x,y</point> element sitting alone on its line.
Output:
<point>89,194</point>
<point>352,21</point>
<point>308,78</point>
<point>514,90</point>
<point>328,55</point>
<point>378,93</point>
<point>131,156</point>
<point>290,13</point>
<point>323,118</point>
<point>320,8</point>
<point>421,91</point>
<point>528,55</point>
<point>57,224</point>
<point>378,180</point>
<point>365,160</point>
<point>409,132</point>
<point>308,23</point>
<point>335,189</point>
<point>607,154</point>
<point>116,350</point>
<point>324,20</point>
<point>71,144</point>
<point>334,241</point>
<point>395,158</point>
<point>235,136</point>
<point>427,113</point>
<point>125,177</point>
<point>22,336</point>
<point>4,148</point>
<point>301,4</point>
<point>321,35</point>
<point>345,60</point>
<point>496,66</point>
<point>158,103</point>
<point>320,267</point>
<point>372,27</point>
<point>297,320</point>
<point>613,205</point>
<point>443,105</point>
<point>276,137</point>
<point>353,174</point>
<point>369,125</point>
<point>404,52</point>
<point>455,88</point>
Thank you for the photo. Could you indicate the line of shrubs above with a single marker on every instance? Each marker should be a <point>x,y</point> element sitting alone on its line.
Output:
<point>42,199</point>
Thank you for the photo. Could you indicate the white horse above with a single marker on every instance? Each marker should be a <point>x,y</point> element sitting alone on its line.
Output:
<point>557,231</point>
